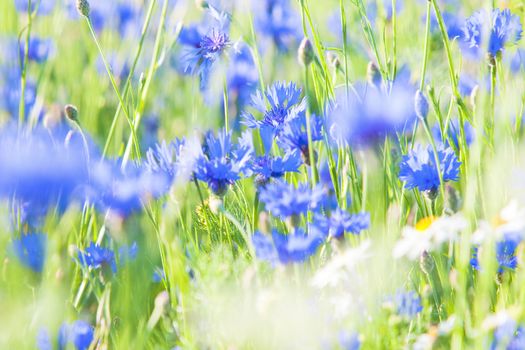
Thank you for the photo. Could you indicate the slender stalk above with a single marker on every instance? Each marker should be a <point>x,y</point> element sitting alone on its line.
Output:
<point>130,76</point>
<point>23,67</point>
<point>113,83</point>
<point>144,92</point>
<point>345,46</point>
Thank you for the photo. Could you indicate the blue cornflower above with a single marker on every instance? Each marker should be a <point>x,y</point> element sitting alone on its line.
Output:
<point>349,341</point>
<point>221,162</point>
<point>372,113</point>
<point>518,61</point>
<point>286,200</point>
<point>125,191</point>
<point>205,44</point>
<point>44,6</point>
<point>506,254</point>
<point>501,26</point>
<point>418,168</point>
<point>285,104</point>
<point>294,136</point>
<point>453,23</point>
<point>79,333</point>
<point>39,49</point>
<point>278,22</point>
<point>287,248</point>
<point>266,167</point>
<point>39,170</point>
<point>31,250</point>
<point>341,221</point>
<point>10,92</point>
<point>466,85</point>
<point>95,256</point>
<point>506,27</point>
<point>43,340</point>
<point>509,336</point>
<point>242,78</point>
<point>408,304</point>
<point>453,132</point>
<point>163,157</point>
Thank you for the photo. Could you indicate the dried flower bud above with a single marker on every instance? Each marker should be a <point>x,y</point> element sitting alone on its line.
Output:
<point>71,112</point>
<point>306,53</point>
<point>83,7</point>
<point>373,75</point>
<point>421,105</point>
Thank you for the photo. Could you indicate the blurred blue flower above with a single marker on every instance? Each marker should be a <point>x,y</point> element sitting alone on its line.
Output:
<point>501,26</point>
<point>39,49</point>
<point>506,254</point>
<point>518,61</point>
<point>453,23</point>
<point>123,191</point>
<point>370,114</point>
<point>466,84</point>
<point>40,169</point>
<point>242,80</point>
<point>418,168</point>
<point>31,250</point>
<point>453,133</point>
<point>205,44</point>
<point>408,304</point>
<point>128,253</point>
<point>341,221</point>
<point>95,256</point>
<point>221,162</point>
<point>349,341</point>
<point>118,65</point>
<point>79,333</point>
<point>509,336</point>
<point>44,6</point>
<point>278,22</point>
<point>286,200</point>
<point>10,92</point>
<point>43,340</point>
<point>287,248</point>
<point>285,104</point>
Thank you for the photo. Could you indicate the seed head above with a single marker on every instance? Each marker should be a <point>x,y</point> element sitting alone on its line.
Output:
<point>306,52</point>
<point>71,113</point>
<point>83,7</point>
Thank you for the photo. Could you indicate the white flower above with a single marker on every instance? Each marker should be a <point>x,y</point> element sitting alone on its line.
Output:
<point>429,235</point>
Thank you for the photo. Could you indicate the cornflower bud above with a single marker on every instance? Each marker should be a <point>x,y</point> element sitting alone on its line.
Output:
<point>71,112</point>
<point>83,7</point>
<point>373,74</point>
<point>421,105</point>
<point>306,52</point>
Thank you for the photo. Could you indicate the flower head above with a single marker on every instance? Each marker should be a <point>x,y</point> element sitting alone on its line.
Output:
<point>79,333</point>
<point>286,200</point>
<point>294,136</point>
<point>287,248</point>
<point>285,104</point>
<point>31,250</point>
<point>205,44</point>
<point>408,304</point>
<point>341,221</point>
<point>267,167</point>
<point>418,168</point>
<point>95,256</point>
<point>501,27</point>
<point>221,162</point>
<point>373,113</point>
<point>278,22</point>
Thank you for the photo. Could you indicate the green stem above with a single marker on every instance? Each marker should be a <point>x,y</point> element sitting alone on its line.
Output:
<point>23,66</point>
<point>144,92</point>
<point>130,76</point>
<point>113,82</point>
